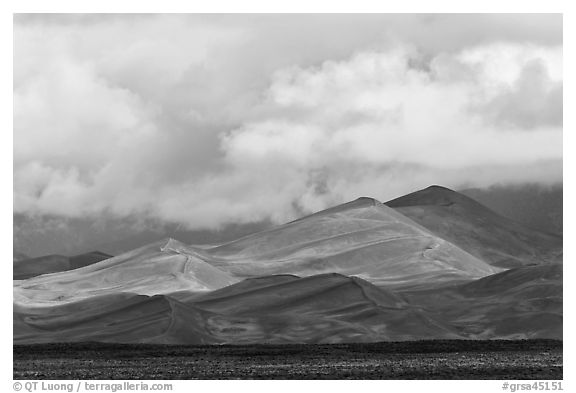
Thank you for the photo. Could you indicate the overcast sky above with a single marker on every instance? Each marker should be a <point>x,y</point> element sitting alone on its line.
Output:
<point>206,120</point>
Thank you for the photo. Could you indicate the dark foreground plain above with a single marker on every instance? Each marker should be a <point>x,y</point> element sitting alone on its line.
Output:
<point>435,359</point>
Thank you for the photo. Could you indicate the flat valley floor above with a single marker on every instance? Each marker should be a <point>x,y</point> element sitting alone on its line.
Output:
<point>435,359</point>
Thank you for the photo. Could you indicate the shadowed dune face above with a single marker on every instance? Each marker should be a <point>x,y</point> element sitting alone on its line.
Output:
<point>478,230</point>
<point>27,268</point>
<point>319,309</point>
<point>524,302</point>
<point>518,279</point>
<point>534,206</point>
<point>325,308</point>
<point>118,317</point>
<point>121,318</point>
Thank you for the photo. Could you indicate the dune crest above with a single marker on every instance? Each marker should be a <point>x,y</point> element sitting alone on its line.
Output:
<point>363,238</point>
<point>477,229</point>
<point>150,270</point>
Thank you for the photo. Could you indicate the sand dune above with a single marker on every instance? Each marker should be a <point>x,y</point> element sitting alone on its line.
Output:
<point>150,270</point>
<point>358,272</point>
<point>523,278</point>
<point>529,204</point>
<point>120,317</point>
<point>32,267</point>
<point>319,309</point>
<point>324,308</point>
<point>524,302</point>
<point>478,230</point>
<point>362,238</point>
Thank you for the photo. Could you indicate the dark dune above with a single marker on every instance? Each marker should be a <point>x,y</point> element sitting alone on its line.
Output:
<point>478,230</point>
<point>247,285</point>
<point>522,278</point>
<point>524,302</point>
<point>538,207</point>
<point>88,258</point>
<point>120,317</point>
<point>33,267</point>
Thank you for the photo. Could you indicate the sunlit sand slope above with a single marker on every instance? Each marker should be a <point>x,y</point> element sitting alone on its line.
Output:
<point>363,238</point>
<point>150,270</point>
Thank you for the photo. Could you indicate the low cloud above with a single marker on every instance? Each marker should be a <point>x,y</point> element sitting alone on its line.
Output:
<point>217,120</point>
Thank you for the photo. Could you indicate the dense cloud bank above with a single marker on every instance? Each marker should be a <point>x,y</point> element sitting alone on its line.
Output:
<point>224,119</point>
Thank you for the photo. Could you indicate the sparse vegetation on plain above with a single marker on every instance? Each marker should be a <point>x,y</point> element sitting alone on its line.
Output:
<point>435,359</point>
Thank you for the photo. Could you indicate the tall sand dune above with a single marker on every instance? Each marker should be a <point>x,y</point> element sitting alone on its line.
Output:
<point>363,238</point>
<point>477,229</point>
